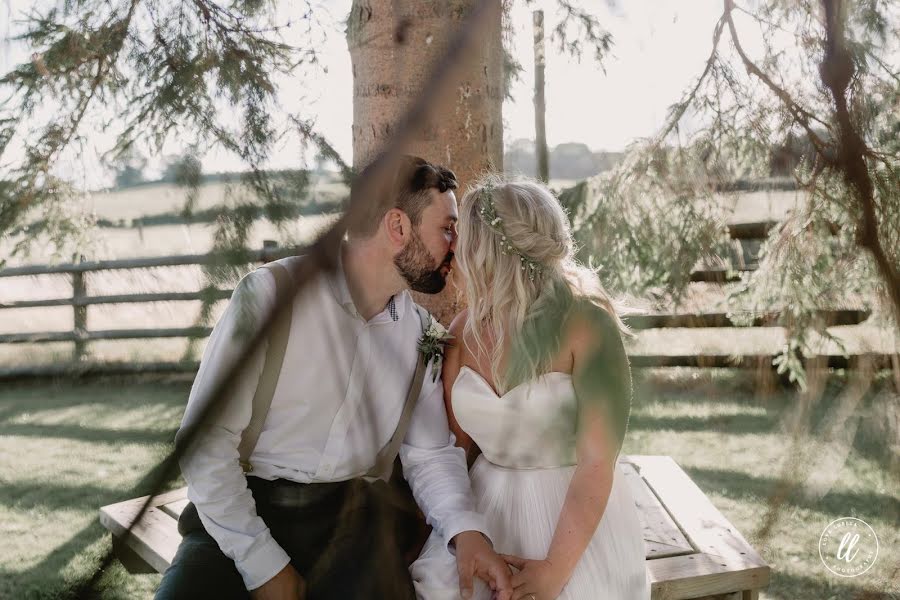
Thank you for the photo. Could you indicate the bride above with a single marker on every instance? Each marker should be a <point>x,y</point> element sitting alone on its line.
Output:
<point>538,391</point>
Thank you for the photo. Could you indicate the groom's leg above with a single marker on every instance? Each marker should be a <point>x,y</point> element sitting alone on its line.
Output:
<point>201,570</point>
<point>361,557</point>
<point>369,561</point>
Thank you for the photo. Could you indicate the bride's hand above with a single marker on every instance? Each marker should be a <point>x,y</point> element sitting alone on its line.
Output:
<point>536,579</point>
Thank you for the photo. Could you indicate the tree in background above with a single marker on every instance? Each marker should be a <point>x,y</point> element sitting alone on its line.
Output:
<point>205,74</point>
<point>130,169</point>
<point>185,170</point>
<point>182,169</point>
<point>393,48</point>
<point>567,160</point>
<point>148,72</point>
<point>821,101</point>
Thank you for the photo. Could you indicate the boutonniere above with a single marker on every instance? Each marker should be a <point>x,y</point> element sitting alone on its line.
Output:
<point>431,345</point>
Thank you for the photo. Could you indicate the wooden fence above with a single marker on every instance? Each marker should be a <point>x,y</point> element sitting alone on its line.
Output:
<point>81,335</point>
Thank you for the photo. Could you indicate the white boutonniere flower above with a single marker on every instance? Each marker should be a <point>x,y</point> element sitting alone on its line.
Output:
<point>431,345</point>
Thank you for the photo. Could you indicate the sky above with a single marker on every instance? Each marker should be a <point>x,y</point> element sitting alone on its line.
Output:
<point>660,46</point>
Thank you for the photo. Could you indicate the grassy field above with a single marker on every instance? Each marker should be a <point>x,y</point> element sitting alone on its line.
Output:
<point>69,448</point>
<point>160,198</point>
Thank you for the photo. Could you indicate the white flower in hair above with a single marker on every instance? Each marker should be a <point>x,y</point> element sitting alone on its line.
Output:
<point>489,215</point>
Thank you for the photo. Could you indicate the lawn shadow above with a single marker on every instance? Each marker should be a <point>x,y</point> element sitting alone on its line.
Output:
<point>731,424</point>
<point>89,434</point>
<point>785,585</point>
<point>740,486</point>
<point>25,496</point>
<point>113,393</point>
<point>69,471</point>
<point>872,439</point>
<point>47,578</point>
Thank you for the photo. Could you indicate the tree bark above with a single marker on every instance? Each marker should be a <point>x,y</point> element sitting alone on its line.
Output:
<point>393,47</point>
<point>836,71</point>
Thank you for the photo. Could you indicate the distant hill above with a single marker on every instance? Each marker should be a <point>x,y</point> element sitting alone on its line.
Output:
<point>571,160</point>
<point>318,176</point>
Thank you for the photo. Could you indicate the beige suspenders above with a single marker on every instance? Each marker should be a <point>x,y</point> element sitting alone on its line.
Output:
<point>384,462</point>
<point>268,379</point>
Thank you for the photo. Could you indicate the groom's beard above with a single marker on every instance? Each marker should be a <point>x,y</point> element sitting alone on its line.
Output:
<point>418,267</point>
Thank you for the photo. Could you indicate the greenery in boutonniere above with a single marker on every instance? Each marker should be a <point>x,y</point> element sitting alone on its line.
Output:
<point>431,345</point>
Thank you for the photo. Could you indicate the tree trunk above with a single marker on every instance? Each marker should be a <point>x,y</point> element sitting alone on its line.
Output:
<point>393,47</point>
<point>540,105</point>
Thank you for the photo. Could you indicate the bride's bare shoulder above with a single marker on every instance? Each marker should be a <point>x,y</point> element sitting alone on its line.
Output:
<point>462,346</point>
<point>458,324</point>
<point>456,329</point>
<point>590,327</point>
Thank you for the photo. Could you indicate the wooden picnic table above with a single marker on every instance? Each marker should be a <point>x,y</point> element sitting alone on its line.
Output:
<point>693,551</point>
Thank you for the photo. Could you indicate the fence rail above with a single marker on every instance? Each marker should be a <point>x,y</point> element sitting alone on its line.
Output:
<point>211,293</point>
<point>80,335</point>
<point>268,253</point>
<point>108,334</point>
<point>721,319</point>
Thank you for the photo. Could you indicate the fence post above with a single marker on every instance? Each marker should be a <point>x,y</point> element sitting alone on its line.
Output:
<point>79,291</point>
<point>269,246</point>
<point>540,108</point>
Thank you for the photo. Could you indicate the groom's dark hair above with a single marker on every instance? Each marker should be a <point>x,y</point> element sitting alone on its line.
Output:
<point>407,189</point>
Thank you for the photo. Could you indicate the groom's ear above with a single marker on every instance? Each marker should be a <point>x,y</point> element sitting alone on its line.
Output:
<point>398,227</point>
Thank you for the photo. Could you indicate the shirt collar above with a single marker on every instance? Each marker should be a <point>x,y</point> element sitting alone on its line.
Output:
<point>338,282</point>
<point>395,306</point>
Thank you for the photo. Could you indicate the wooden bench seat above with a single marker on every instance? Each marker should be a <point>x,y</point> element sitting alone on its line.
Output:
<point>693,551</point>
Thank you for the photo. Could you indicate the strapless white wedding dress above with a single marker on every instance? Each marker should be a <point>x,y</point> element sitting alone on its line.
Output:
<point>527,439</point>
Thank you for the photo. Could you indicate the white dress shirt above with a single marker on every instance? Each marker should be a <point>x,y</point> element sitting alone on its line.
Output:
<point>338,400</point>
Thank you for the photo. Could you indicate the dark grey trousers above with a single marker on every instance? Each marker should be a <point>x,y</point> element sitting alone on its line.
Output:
<point>352,544</point>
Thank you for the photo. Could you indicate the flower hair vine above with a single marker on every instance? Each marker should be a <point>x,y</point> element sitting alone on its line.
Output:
<point>489,215</point>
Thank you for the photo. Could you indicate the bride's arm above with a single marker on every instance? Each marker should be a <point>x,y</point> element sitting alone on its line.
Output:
<point>602,380</point>
<point>451,366</point>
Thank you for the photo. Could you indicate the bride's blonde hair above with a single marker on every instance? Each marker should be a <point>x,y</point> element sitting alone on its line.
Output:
<point>517,255</point>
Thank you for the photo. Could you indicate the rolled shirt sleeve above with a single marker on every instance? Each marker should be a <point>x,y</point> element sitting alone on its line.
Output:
<point>436,468</point>
<point>216,482</point>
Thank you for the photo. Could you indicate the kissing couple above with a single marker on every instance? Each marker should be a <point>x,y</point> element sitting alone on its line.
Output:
<point>508,427</point>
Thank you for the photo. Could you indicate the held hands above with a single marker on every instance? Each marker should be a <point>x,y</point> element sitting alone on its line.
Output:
<point>286,585</point>
<point>535,580</point>
<point>475,557</point>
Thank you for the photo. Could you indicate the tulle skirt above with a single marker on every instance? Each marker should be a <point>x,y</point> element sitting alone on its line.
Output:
<point>522,507</point>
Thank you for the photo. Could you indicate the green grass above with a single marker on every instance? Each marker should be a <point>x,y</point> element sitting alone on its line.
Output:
<point>737,447</point>
<point>68,448</point>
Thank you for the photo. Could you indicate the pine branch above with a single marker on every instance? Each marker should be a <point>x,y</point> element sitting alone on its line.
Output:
<point>800,114</point>
<point>588,29</point>
<point>836,71</point>
<point>308,132</point>
<point>682,106</point>
<point>58,140</point>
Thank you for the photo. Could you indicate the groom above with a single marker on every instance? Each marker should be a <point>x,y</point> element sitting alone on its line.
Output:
<point>299,521</point>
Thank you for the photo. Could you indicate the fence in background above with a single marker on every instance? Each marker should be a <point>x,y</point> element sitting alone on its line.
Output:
<point>747,238</point>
